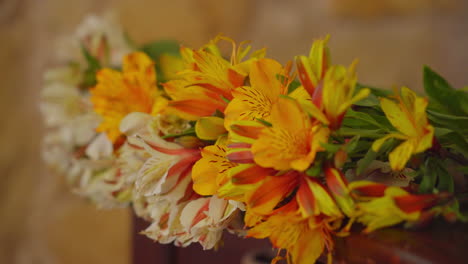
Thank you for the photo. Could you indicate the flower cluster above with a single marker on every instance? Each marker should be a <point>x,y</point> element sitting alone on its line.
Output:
<point>297,153</point>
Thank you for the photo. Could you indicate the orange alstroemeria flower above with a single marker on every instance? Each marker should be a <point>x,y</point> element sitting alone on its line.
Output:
<point>331,89</point>
<point>408,115</point>
<point>291,142</point>
<point>268,81</point>
<point>208,80</point>
<point>381,206</point>
<point>120,93</point>
<point>338,186</point>
<point>304,239</point>
<point>211,171</point>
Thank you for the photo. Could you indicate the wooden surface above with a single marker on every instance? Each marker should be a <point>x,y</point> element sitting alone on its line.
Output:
<point>439,243</point>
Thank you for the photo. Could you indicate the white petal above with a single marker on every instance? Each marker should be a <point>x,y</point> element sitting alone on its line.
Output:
<point>100,148</point>
<point>134,123</point>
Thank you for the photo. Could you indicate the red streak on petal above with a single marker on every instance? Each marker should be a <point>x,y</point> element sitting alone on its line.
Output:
<point>276,188</point>
<point>180,151</point>
<point>215,90</point>
<point>119,142</point>
<point>335,181</point>
<point>304,77</point>
<point>305,197</point>
<point>414,203</point>
<point>201,213</point>
<point>317,95</point>
<point>163,221</point>
<point>241,157</point>
<point>134,146</point>
<point>239,145</point>
<point>252,175</point>
<point>198,107</point>
<point>374,190</point>
<point>235,78</point>
<point>247,131</point>
<point>202,238</point>
<point>183,166</point>
<point>189,194</point>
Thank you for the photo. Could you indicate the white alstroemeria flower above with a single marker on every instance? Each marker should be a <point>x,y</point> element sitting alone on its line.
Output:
<point>100,148</point>
<point>160,171</point>
<point>206,218</point>
<point>71,146</point>
<point>102,36</point>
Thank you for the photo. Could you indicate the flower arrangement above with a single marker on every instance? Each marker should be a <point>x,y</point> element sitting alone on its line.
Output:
<point>197,142</point>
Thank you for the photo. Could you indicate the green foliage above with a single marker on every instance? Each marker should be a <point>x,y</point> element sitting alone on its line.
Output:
<point>315,169</point>
<point>434,176</point>
<point>363,119</point>
<point>455,141</point>
<point>371,100</point>
<point>443,96</point>
<point>93,66</point>
<point>293,86</point>
<point>371,155</point>
<point>452,122</point>
<point>155,49</point>
<point>187,132</point>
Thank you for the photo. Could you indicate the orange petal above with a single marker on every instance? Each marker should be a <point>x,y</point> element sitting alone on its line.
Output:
<point>193,108</point>
<point>252,174</point>
<point>271,192</point>
<point>414,203</point>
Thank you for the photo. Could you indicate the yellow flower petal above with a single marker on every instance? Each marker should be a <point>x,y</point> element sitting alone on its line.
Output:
<point>211,171</point>
<point>210,128</point>
<point>379,142</point>
<point>401,154</point>
<point>308,248</point>
<point>117,94</point>
<point>398,117</point>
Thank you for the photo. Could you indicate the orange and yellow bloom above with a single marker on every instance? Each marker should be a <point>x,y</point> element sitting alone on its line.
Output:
<point>268,80</point>
<point>206,84</point>
<point>408,115</point>
<point>237,133</point>
<point>120,93</point>
<point>292,141</point>
<point>331,88</point>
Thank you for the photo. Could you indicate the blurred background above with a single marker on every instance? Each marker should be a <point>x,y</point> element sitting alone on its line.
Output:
<point>42,222</point>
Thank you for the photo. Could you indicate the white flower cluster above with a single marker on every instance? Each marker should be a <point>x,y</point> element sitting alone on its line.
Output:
<point>152,174</point>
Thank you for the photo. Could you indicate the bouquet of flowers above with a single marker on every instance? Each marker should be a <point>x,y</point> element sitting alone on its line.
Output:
<point>198,142</point>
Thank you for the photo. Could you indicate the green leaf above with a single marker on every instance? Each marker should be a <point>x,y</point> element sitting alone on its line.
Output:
<point>266,123</point>
<point>369,101</point>
<point>315,170</point>
<point>443,94</point>
<point>445,180</point>
<point>156,49</point>
<point>463,169</point>
<point>448,120</point>
<point>367,118</point>
<point>454,141</point>
<point>331,148</point>
<point>372,100</point>
<point>92,61</point>
<point>375,91</point>
<point>352,144</point>
<point>365,133</point>
<point>372,155</point>
<point>93,65</point>
<point>188,132</point>
<point>293,86</point>
<point>429,177</point>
